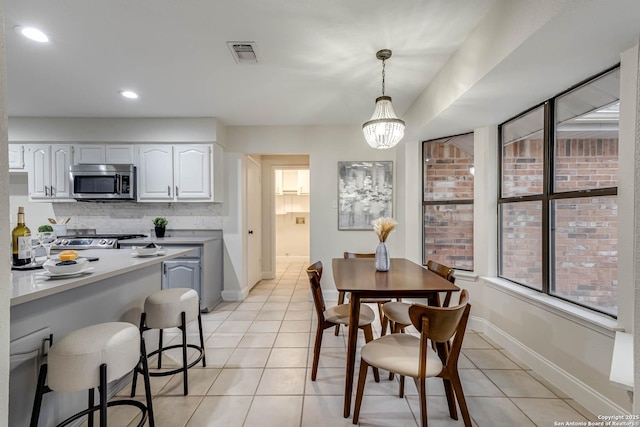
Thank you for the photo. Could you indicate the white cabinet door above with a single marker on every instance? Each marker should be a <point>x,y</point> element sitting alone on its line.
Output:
<point>192,172</point>
<point>48,171</point>
<point>119,154</point>
<point>87,154</point>
<point>38,169</point>
<point>155,173</point>
<point>16,157</point>
<point>60,184</point>
<point>303,181</point>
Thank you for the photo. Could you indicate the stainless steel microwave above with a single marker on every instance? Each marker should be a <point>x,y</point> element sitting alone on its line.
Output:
<point>103,182</point>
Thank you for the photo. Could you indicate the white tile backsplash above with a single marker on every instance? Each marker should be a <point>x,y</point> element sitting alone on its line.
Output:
<point>130,217</point>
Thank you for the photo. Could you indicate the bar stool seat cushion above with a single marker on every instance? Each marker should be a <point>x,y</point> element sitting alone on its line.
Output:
<point>397,312</point>
<point>163,308</point>
<point>74,361</point>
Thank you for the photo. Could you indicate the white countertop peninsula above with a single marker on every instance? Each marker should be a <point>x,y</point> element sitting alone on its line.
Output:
<point>114,291</point>
<point>30,285</point>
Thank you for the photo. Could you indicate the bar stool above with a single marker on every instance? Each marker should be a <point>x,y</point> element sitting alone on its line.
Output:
<point>172,308</point>
<point>92,357</point>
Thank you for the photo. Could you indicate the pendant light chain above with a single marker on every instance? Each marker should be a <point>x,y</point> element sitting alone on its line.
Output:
<point>383,64</point>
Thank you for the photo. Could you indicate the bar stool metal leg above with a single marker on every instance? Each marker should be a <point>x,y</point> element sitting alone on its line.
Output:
<point>204,357</point>
<point>185,375</point>
<point>103,395</point>
<point>41,389</point>
<point>147,382</point>
<point>91,403</point>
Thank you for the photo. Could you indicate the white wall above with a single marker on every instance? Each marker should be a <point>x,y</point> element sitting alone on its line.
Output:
<point>325,147</point>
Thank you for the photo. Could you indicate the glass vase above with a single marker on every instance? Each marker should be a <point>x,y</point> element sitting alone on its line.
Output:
<point>383,260</point>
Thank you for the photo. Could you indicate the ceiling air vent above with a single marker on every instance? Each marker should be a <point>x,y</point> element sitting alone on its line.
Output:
<point>243,52</point>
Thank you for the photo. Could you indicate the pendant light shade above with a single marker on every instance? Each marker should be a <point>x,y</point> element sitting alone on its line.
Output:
<point>384,129</point>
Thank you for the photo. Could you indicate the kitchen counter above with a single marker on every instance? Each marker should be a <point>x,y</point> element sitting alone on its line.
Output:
<point>30,285</point>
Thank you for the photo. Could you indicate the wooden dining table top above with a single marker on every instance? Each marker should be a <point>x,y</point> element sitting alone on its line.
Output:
<point>404,277</point>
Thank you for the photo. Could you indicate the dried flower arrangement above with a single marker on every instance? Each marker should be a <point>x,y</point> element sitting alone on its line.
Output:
<point>383,226</point>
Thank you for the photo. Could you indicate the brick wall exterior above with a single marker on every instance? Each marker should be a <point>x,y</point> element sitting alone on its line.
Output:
<point>585,230</point>
<point>448,229</point>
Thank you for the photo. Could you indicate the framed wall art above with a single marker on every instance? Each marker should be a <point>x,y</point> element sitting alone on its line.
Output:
<point>365,193</point>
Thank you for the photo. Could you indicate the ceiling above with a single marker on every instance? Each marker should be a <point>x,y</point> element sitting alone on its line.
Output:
<point>316,58</point>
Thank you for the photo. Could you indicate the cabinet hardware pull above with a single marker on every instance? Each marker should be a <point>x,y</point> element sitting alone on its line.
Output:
<point>169,190</point>
<point>165,268</point>
<point>46,191</point>
<point>250,231</point>
<point>52,191</point>
<point>177,193</point>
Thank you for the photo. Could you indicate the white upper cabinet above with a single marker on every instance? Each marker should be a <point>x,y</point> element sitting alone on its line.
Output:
<point>292,181</point>
<point>16,157</point>
<point>192,172</point>
<point>303,181</point>
<point>48,171</point>
<point>155,173</point>
<point>114,154</point>
<point>180,173</point>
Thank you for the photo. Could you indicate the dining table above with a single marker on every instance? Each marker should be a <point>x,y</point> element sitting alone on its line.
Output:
<point>404,279</point>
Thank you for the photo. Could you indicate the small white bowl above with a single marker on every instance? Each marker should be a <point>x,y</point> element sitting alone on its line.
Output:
<point>51,267</point>
<point>141,250</point>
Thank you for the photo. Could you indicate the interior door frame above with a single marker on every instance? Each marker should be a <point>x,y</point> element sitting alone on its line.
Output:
<point>253,161</point>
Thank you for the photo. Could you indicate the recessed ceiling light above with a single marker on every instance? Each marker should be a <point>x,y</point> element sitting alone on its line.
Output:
<point>33,34</point>
<point>129,94</point>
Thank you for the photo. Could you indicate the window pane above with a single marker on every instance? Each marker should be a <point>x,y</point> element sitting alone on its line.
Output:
<point>521,243</point>
<point>586,251</point>
<point>448,168</point>
<point>448,235</point>
<point>523,154</point>
<point>586,150</point>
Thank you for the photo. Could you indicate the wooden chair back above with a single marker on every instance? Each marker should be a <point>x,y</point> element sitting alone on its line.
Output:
<point>441,270</point>
<point>314,271</point>
<point>442,322</point>
<point>348,255</point>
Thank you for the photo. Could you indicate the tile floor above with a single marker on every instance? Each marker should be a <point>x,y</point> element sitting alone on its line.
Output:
<point>258,374</point>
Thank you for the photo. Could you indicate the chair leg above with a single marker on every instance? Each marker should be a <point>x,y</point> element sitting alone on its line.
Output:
<point>457,387</point>
<point>422,392</point>
<point>185,374</point>
<point>401,392</point>
<point>147,382</point>
<point>362,380</point>
<point>316,352</point>
<point>340,301</point>
<point>451,400</point>
<point>204,357</point>
<point>103,395</point>
<point>40,391</point>
<point>368,336</point>
<point>385,322</point>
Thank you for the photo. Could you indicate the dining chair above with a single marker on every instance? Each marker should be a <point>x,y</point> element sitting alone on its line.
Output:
<point>396,314</point>
<point>337,315</point>
<point>413,356</point>
<point>379,301</point>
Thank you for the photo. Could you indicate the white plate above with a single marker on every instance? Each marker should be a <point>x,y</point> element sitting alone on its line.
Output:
<point>51,267</point>
<point>143,251</point>
<point>159,253</point>
<point>49,275</point>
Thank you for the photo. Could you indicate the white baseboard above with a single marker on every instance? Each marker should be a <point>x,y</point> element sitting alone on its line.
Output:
<point>567,383</point>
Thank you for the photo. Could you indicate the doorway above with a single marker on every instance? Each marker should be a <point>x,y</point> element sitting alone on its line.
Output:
<point>291,214</point>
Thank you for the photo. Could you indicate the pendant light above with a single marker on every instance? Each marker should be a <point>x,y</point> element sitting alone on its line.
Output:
<point>384,129</point>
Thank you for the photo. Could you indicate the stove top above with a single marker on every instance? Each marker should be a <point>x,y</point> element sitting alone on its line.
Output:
<point>93,241</point>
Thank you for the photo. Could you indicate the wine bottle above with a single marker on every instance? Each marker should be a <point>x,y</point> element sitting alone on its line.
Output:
<point>21,242</point>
